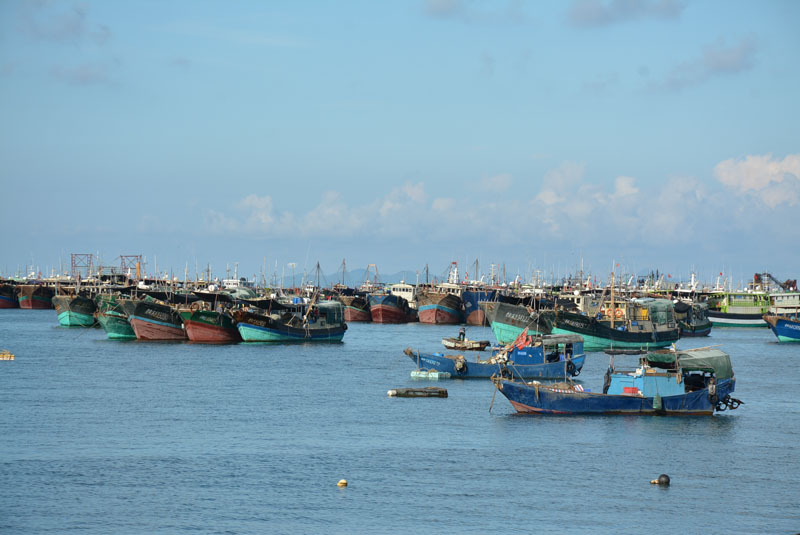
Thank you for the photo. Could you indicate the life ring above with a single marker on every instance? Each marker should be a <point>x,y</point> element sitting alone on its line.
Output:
<point>618,313</point>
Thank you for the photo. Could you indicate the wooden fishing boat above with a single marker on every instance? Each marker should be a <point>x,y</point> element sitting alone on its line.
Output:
<point>786,328</point>
<point>75,310</point>
<point>465,345</point>
<point>152,320</point>
<point>692,382</point>
<point>320,322</point>
<point>549,356</point>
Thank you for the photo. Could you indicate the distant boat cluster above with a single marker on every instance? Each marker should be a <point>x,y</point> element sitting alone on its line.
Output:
<point>612,315</point>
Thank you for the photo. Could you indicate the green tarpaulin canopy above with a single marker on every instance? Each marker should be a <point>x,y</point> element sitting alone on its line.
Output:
<point>707,360</point>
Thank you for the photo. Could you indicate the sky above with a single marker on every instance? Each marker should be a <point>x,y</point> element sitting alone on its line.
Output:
<point>535,135</point>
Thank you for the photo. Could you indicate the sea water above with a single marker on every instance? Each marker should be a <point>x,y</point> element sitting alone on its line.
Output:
<point>101,436</point>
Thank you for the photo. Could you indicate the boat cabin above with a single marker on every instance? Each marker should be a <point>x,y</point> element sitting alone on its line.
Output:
<point>668,373</point>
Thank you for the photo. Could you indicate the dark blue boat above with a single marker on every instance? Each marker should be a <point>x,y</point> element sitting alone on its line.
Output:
<point>546,357</point>
<point>473,313</point>
<point>693,382</point>
<point>786,328</point>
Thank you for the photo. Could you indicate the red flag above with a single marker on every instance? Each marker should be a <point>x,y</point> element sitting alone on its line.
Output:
<point>522,339</point>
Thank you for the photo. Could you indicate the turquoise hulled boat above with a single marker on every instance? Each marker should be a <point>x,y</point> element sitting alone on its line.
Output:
<point>322,322</point>
<point>75,311</point>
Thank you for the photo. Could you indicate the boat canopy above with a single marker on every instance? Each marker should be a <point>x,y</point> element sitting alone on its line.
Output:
<point>706,360</point>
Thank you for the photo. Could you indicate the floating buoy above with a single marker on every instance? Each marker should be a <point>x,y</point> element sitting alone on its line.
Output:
<point>342,483</point>
<point>662,480</point>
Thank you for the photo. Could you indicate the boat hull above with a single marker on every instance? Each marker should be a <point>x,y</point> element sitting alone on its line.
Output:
<point>390,309</point>
<point>32,296</point>
<point>691,331</point>
<point>599,336</point>
<point>725,319</point>
<point>116,326</point>
<point>8,302</point>
<point>154,321</point>
<point>261,328</point>
<point>509,320</point>
<point>536,399</point>
<point>75,311</point>
<point>210,327</point>
<point>356,314</point>
<point>478,370</point>
<point>356,308</point>
<point>440,308</point>
<point>474,314</point>
<point>785,329</point>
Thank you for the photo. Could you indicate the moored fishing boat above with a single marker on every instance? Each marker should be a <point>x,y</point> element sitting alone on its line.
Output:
<point>8,296</point>
<point>692,319</point>
<point>692,382</point>
<point>440,305</point>
<point>389,308</point>
<point>549,356</point>
<point>640,323</point>
<point>786,328</point>
<point>35,296</point>
<point>152,320</point>
<point>738,309</point>
<point>356,307</point>
<point>75,310</point>
<point>471,297</point>
<point>321,322</point>
<point>210,326</point>
<point>113,318</point>
<point>509,320</point>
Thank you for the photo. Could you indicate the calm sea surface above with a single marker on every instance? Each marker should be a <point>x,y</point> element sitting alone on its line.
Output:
<point>98,436</point>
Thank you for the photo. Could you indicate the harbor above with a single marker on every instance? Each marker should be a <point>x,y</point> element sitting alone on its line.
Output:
<point>259,431</point>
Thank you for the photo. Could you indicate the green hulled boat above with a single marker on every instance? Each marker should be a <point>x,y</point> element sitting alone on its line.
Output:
<point>75,311</point>
<point>639,323</point>
<point>113,318</point>
<point>509,320</point>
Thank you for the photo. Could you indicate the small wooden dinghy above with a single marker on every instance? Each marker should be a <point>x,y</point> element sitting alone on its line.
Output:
<point>427,392</point>
<point>5,354</point>
<point>465,345</point>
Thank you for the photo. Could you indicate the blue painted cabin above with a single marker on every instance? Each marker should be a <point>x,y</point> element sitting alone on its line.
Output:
<point>545,357</point>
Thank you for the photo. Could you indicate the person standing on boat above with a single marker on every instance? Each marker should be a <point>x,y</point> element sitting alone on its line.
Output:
<point>462,334</point>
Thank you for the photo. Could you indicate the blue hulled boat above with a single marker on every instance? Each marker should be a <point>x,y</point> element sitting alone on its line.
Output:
<point>553,357</point>
<point>693,382</point>
<point>786,328</point>
<point>472,311</point>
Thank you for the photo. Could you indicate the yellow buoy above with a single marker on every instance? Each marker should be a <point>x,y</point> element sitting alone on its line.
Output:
<point>342,483</point>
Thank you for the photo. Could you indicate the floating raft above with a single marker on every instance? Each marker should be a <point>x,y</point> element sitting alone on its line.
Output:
<point>6,355</point>
<point>427,392</point>
<point>432,375</point>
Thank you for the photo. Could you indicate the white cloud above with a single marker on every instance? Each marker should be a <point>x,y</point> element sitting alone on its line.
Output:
<point>496,183</point>
<point>590,13</point>
<point>771,180</point>
<point>565,176</point>
<point>717,59</point>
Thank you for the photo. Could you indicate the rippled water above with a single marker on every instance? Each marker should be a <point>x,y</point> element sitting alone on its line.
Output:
<point>100,436</point>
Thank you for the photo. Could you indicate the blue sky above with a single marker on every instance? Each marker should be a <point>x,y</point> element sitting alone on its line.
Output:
<point>663,134</point>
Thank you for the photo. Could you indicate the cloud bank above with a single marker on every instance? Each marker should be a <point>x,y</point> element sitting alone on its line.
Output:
<point>594,13</point>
